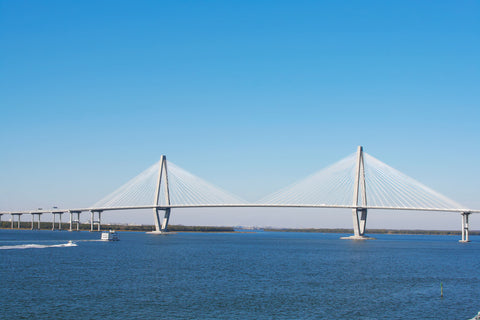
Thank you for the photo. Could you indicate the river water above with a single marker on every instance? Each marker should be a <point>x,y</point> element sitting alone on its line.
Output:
<point>263,275</point>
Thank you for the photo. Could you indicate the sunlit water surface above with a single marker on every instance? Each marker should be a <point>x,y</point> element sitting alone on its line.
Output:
<point>236,276</point>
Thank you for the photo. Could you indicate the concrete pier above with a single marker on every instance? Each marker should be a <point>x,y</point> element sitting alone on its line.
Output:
<point>76,221</point>
<point>39,214</point>
<point>94,222</point>
<point>13,219</point>
<point>465,216</point>
<point>59,213</point>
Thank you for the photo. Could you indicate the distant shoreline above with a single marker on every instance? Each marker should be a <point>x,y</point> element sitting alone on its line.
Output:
<point>374,231</point>
<point>24,225</point>
<point>180,228</point>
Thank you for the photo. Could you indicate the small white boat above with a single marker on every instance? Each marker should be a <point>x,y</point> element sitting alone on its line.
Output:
<point>109,236</point>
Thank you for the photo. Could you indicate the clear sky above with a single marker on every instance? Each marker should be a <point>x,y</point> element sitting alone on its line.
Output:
<point>249,95</point>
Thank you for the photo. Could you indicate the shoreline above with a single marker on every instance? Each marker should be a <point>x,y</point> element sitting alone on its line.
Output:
<point>180,228</point>
<point>374,231</point>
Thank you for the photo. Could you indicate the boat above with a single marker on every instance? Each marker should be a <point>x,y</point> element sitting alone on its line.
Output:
<point>110,235</point>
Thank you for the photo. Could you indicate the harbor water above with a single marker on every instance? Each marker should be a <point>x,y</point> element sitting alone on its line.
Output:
<point>258,275</point>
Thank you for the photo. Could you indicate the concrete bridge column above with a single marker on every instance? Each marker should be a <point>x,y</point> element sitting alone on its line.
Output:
<point>99,220</point>
<point>77,221</point>
<point>59,220</point>
<point>166,218</point>
<point>465,216</point>
<point>38,214</point>
<point>161,226</point>
<point>156,218</point>
<point>13,220</point>
<point>94,222</point>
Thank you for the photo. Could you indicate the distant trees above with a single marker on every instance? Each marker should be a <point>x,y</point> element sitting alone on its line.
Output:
<point>119,227</point>
<point>180,228</point>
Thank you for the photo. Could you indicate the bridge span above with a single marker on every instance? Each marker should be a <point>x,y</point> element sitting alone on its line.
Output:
<point>343,185</point>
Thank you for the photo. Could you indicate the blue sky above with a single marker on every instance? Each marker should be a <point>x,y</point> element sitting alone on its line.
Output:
<point>249,95</point>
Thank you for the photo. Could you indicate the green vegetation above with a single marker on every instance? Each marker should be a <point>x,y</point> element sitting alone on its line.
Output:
<point>117,227</point>
<point>200,228</point>
<point>179,228</point>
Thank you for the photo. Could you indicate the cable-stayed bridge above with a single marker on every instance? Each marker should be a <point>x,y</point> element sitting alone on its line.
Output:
<point>358,182</point>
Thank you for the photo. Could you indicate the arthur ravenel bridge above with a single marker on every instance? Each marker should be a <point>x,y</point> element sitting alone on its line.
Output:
<point>358,182</point>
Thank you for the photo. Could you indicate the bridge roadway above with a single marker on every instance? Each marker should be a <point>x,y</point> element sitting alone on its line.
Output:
<point>253,205</point>
<point>161,226</point>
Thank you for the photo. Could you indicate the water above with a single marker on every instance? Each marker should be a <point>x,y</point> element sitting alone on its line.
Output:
<point>236,276</point>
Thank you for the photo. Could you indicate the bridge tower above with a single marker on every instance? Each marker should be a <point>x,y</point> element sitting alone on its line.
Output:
<point>161,225</point>
<point>359,211</point>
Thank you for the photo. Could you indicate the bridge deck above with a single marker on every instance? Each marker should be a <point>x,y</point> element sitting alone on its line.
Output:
<point>240,206</point>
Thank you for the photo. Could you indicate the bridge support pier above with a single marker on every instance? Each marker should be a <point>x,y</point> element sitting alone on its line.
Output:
<point>91,221</point>
<point>76,221</point>
<point>166,218</point>
<point>13,220</point>
<point>161,226</point>
<point>465,216</point>
<point>59,220</point>
<point>33,220</point>
<point>360,221</point>
<point>359,224</point>
<point>95,222</point>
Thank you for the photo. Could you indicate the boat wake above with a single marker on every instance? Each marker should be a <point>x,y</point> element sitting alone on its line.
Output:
<point>38,246</point>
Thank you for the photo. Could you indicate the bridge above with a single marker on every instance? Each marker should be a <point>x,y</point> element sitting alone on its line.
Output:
<point>358,182</point>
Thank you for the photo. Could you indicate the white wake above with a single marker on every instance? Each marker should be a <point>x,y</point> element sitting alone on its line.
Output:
<point>38,246</point>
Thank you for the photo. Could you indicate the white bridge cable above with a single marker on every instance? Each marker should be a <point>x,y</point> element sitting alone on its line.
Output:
<point>184,189</point>
<point>389,187</point>
<point>398,195</point>
<point>330,186</point>
<point>385,187</point>
<point>188,189</point>
<point>139,191</point>
<point>378,189</point>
